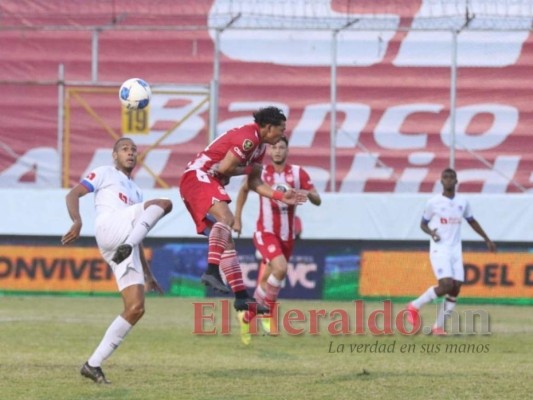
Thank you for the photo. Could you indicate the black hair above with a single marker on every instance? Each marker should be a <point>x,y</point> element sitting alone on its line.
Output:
<point>284,139</point>
<point>117,143</point>
<point>450,170</point>
<point>269,115</point>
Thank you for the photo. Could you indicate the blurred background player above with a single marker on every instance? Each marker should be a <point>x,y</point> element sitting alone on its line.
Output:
<point>122,221</point>
<point>239,151</point>
<point>442,219</point>
<point>276,227</point>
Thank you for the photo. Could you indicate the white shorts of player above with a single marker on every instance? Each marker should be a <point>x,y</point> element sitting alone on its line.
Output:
<point>447,263</point>
<point>111,231</point>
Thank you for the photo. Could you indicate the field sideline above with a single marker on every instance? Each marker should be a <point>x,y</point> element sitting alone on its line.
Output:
<point>45,340</point>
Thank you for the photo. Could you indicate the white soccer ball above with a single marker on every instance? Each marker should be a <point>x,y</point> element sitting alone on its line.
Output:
<point>135,94</point>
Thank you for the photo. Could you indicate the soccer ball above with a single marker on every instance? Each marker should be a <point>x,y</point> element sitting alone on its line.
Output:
<point>135,94</point>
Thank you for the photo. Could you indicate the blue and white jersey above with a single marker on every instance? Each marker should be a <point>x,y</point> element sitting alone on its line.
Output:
<point>113,190</point>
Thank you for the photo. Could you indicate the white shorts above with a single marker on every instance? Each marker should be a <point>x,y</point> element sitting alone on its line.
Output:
<point>112,231</point>
<point>447,264</point>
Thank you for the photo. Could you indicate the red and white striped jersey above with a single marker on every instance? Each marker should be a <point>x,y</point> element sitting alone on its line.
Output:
<point>275,216</point>
<point>244,142</point>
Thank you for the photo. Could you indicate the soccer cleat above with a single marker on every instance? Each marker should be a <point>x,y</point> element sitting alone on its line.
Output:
<point>123,252</point>
<point>249,304</point>
<point>214,282</point>
<point>94,373</point>
<point>246,337</point>
<point>412,315</point>
<point>438,331</point>
<point>265,325</point>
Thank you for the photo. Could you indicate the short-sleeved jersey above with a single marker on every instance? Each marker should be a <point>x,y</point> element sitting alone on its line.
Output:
<point>446,215</point>
<point>275,216</point>
<point>113,190</point>
<point>244,142</point>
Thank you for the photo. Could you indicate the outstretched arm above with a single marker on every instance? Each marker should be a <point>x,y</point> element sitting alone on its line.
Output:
<point>230,166</point>
<point>291,197</point>
<point>314,197</point>
<point>241,199</point>
<point>479,230</point>
<point>150,282</point>
<point>73,207</point>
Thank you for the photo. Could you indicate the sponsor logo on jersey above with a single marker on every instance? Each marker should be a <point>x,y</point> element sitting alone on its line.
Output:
<point>281,187</point>
<point>238,151</point>
<point>247,145</point>
<point>450,220</point>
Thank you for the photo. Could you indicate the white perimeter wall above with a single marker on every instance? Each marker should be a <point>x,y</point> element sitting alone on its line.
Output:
<point>341,216</point>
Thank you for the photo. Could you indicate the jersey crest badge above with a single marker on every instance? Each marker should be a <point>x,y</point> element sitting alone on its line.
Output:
<point>247,145</point>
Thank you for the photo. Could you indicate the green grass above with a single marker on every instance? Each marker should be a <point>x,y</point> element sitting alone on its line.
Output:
<point>45,340</point>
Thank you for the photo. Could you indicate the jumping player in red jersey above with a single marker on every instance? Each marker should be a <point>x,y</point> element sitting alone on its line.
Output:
<point>239,151</point>
<point>276,227</point>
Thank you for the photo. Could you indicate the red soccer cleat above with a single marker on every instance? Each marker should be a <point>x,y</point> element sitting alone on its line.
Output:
<point>437,331</point>
<point>412,315</point>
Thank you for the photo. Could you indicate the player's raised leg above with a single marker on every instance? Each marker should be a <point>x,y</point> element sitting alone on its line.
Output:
<point>153,211</point>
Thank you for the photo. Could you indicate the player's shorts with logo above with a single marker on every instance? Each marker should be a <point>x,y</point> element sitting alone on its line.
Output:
<point>270,246</point>
<point>199,192</point>
<point>112,230</point>
<point>447,263</point>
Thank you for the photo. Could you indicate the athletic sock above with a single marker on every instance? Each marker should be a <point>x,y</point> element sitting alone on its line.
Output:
<point>425,298</point>
<point>273,286</point>
<point>260,295</point>
<point>449,304</point>
<point>229,264</point>
<point>218,241</point>
<point>439,322</point>
<point>146,221</point>
<point>114,335</point>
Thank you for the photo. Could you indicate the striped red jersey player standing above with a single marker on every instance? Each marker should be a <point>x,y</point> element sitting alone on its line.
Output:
<point>276,226</point>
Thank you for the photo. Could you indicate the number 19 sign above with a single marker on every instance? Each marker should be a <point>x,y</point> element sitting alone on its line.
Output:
<point>135,122</point>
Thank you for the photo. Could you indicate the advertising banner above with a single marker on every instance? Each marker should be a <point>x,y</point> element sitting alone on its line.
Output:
<point>54,269</point>
<point>51,269</point>
<point>409,273</point>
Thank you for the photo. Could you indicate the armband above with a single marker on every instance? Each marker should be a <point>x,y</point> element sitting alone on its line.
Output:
<point>277,196</point>
<point>248,169</point>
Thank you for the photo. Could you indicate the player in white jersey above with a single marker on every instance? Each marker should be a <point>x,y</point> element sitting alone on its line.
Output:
<point>276,228</point>
<point>442,219</point>
<point>122,221</point>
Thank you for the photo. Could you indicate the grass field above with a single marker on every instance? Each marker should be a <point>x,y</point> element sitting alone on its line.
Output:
<point>45,340</point>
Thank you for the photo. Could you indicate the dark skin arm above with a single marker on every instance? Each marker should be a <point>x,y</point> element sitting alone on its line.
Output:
<point>241,199</point>
<point>256,184</point>
<point>314,197</point>
<point>230,166</point>
<point>431,232</point>
<point>479,230</point>
<point>150,281</point>
<point>73,207</point>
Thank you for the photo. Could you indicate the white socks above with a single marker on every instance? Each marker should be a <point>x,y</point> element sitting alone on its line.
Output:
<point>425,298</point>
<point>444,310</point>
<point>146,221</point>
<point>114,335</point>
